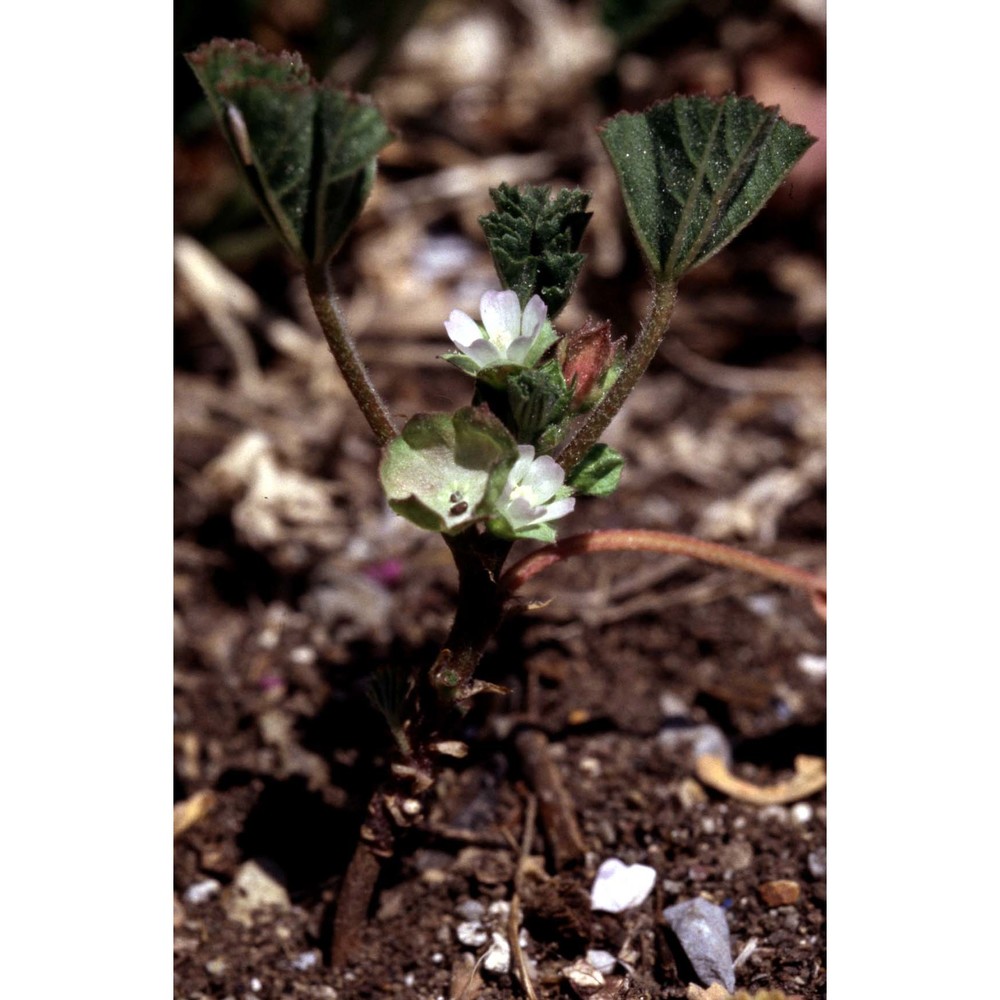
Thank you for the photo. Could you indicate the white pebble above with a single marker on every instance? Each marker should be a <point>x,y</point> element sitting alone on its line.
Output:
<point>305,960</point>
<point>471,909</point>
<point>619,887</point>
<point>811,664</point>
<point>603,961</point>
<point>408,980</point>
<point>497,959</point>
<point>802,812</point>
<point>256,985</point>
<point>201,892</point>
<point>471,933</point>
<point>762,605</point>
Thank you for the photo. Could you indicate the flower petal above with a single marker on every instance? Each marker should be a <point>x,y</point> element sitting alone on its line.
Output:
<point>462,329</point>
<point>520,513</point>
<point>483,353</point>
<point>534,316</point>
<point>518,349</point>
<point>501,315</point>
<point>544,477</point>
<point>558,508</point>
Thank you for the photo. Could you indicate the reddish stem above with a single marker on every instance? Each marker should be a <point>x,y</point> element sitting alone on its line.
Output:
<point>663,541</point>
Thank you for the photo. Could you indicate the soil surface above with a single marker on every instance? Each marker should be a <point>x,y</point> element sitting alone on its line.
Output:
<point>294,583</point>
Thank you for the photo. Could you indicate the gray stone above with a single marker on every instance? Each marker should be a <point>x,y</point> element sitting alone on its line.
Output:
<point>703,933</point>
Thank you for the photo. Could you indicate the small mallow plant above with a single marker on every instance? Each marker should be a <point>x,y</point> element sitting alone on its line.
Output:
<point>510,463</point>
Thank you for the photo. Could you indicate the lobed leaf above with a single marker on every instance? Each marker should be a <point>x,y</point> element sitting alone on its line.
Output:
<point>695,170</point>
<point>306,149</point>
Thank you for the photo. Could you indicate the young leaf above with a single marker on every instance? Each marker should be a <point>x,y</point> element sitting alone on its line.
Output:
<point>694,171</point>
<point>306,149</point>
<point>445,471</point>
<point>599,473</point>
<point>534,241</point>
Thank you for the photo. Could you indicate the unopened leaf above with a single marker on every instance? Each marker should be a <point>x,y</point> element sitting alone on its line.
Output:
<point>306,149</point>
<point>695,170</point>
<point>534,241</point>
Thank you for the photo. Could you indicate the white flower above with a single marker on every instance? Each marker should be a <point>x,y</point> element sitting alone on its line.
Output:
<point>533,494</point>
<point>507,336</point>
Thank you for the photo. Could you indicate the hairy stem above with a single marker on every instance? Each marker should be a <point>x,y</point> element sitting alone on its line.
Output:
<point>667,543</point>
<point>480,607</point>
<point>636,362</point>
<point>346,354</point>
<point>352,904</point>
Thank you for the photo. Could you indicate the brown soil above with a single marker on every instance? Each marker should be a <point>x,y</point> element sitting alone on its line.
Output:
<point>294,583</point>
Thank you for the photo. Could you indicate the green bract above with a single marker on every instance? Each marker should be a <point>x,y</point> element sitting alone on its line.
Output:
<point>694,171</point>
<point>446,470</point>
<point>307,149</point>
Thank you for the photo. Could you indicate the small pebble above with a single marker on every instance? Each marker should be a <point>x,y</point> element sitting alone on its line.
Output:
<point>201,892</point>
<point>583,977</point>
<point>817,863</point>
<point>305,960</point>
<point>694,741</point>
<point>703,933</point>
<point>601,960</point>
<point>256,985</point>
<point>809,663</point>
<point>736,856</point>
<point>471,909</point>
<point>216,966</point>
<point>471,933</point>
<point>253,887</point>
<point>409,980</point>
<point>497,959</point>
<point>762,605</point>
<point>619,887</point>
<point>802,812</point>
<point>691,793</point>
<point>781,892</point>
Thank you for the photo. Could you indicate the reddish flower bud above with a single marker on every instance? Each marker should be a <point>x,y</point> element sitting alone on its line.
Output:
<point>585,356</point>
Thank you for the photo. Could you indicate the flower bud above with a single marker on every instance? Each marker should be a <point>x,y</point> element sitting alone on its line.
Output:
<point>586,356</point>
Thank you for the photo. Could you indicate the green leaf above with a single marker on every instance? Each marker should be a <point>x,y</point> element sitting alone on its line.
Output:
<point>598,473</point>
<point>534,241</point>
<point>306,149</point>
<point>445,471</point>
<point>631,19</point>
<point>695,170</point>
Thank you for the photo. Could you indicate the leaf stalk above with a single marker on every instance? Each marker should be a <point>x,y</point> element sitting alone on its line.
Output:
<point>345,353</point>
